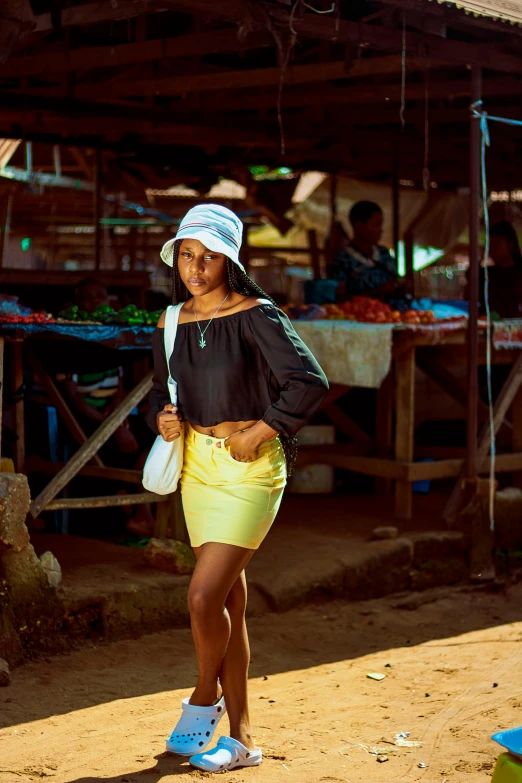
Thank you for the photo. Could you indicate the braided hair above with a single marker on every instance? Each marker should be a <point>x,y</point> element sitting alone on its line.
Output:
<point>241,283</point>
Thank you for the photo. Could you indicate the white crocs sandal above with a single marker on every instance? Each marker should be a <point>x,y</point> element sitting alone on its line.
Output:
<point>195,728</point>
<point>228,754</point>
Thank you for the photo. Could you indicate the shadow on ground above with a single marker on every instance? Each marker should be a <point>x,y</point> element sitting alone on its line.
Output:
<point>290,641</point>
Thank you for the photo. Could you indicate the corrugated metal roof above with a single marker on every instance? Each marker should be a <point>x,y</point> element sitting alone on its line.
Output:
<point>506,10</point>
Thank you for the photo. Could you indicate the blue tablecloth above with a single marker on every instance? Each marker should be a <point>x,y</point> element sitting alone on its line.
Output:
<point>110,335</point>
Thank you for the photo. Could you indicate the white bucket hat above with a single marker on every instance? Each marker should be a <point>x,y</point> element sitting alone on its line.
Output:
<point>214,226</point>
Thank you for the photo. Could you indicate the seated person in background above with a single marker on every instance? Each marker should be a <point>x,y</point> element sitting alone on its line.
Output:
<point>505,278</point>
<point>94,395</point>
<point>363,266</point>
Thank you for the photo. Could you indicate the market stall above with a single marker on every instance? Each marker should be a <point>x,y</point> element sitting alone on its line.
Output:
<point>385,357</point>
<point>21,342</point>
<point>381,356</point>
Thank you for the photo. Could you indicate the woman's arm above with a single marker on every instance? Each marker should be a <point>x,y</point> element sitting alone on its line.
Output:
<point>302,382</point>
<point>159,396</point>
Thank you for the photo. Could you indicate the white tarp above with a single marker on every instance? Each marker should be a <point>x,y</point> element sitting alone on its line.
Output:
<point>441,225</point>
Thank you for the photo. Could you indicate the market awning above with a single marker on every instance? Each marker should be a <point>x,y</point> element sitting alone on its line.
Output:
<point>505,10</point>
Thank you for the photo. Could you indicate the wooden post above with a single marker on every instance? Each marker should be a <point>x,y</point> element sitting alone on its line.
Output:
<point>29,156</point>
<point>5,224</point>
<point>133,241</point>
<point>474,264</point>
<point>170,520</point>
<point>504,401</point>
<point>404,426</point>
<point>2,344</point>
<point>408,257</point>
<point>18,406</point>
<point>384,427</point>
<point>97,210</point>
<point>396,203</point>
<point>314,253</point>
<point>333,218</point>
<point>516,413</point>
<point>57,160</point>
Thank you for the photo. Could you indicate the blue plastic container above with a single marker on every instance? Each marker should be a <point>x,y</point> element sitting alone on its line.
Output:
<point>510,740</point>
<point>423,486</point>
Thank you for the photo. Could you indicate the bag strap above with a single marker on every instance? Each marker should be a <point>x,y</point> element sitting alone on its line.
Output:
<point>171,328</point>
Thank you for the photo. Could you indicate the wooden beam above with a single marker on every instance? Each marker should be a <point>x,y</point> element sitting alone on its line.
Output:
<point>97,209</point>
<point>60,278</point>
<point>81,160</point>
<point>417,44</point>
<point>20,104</point>
<point>448,382</point>
<point>454,14</point>
<point>89,449</point>
<point>503,403</point>
<point>37,464</point>
<point>87,57</point>
<point>341,455</point>
<point>516,414</point>
<point>450,468</point>
<point>251,78</point>
<point>310,26</point>
<point>96,13</point>
<point>404,427</point>
<point>105,502</point>
<point>365,94</point>
<point>346,424</point>
<point>58,401</point>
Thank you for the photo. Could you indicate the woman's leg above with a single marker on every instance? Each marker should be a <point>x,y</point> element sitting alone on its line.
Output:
<point>233,674</point>
<point>218,568</point>
<point>234,669</point>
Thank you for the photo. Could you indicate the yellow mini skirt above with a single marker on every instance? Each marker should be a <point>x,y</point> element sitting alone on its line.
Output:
<point>226,501</point>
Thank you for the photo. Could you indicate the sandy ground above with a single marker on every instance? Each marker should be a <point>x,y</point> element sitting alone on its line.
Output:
<point>452,669</point>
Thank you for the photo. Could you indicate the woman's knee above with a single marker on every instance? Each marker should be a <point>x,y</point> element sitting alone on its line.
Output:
<point>202,602</point>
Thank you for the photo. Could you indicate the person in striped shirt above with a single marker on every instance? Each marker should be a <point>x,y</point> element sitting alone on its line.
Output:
<point>93,395</point>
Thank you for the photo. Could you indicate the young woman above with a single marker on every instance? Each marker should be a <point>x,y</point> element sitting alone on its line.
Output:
<point>246,385</point>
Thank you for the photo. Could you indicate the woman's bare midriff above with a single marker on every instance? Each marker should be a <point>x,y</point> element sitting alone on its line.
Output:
<point>225,429</point>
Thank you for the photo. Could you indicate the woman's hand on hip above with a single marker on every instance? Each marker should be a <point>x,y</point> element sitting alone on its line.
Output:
<point>168,422</point>
<point>242,447</point>
<point>244,444</point>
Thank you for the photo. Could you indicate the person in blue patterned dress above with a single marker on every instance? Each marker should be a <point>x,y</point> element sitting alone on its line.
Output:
<point>363,266</point>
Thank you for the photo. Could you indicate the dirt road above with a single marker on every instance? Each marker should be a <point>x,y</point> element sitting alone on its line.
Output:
<point>452,671</point>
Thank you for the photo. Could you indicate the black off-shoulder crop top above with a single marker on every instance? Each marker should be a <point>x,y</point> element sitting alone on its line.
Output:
<point>254,366</point>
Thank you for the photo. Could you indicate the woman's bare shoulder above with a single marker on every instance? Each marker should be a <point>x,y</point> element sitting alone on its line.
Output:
<point>253,301</point>
<point>161,321</point>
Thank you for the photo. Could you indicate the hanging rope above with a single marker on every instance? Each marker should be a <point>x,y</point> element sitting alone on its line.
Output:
<point>426,171</point>
<point>403,73</point>
<point>478,112</point>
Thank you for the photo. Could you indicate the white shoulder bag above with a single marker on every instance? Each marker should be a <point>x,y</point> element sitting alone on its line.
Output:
<point>164,464</point>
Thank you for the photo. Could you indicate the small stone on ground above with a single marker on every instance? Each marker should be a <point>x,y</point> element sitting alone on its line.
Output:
<point>5,677</point>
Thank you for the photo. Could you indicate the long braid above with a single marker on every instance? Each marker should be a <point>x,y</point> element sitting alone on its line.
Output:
<point>241,283</point>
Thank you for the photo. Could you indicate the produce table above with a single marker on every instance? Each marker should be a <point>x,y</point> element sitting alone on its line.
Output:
<point>23,340</point>
<point>381,356</point>
<point>391,455</point>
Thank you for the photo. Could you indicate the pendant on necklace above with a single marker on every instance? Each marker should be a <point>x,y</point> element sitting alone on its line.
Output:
<point>202,342</point>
